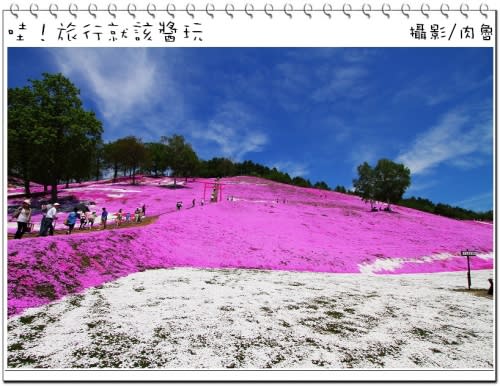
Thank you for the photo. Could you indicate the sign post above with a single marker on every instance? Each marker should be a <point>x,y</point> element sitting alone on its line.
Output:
<point>468,254</point>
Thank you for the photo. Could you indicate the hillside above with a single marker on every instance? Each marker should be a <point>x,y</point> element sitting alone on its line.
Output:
<point>258,224</point>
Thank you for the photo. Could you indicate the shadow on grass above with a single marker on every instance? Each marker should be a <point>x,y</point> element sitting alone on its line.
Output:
<point>481,292</point>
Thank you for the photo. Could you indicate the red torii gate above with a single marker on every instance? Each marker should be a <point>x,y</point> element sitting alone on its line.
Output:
<point>216,194</point>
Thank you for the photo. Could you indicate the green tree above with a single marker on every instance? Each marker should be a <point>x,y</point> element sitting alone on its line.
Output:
<point>63,133</point>
<point>245,168</point>
<point>219,167</point>
<point>157,158</point>
<point>340,189</point>
<point>321,185</point>
<point>276,175</point>
<point>392,180</point>
<point>98,160</point>
<point>182,159</point>
<point>418,203</point>
<point>386,182</point>
<point>23,135</point>
<point>133,154</point>
<point>127,154</point>
<point>82,156</point>
<point>365,185</point>
<point>112,157</point>
<point>300,181</point>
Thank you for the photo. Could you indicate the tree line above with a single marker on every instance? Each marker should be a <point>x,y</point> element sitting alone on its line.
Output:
<point>129,155</point>
<point>446,210</point>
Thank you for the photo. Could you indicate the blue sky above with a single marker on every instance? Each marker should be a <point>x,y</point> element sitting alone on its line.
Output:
<point>313,112</point>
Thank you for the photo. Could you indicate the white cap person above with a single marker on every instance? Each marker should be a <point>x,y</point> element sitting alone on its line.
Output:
<point>23,217</point>
<point>49,220</point>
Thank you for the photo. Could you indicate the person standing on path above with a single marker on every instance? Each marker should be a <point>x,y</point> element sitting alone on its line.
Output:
<point>137,215</point>
<point>23,217</point>
<point>71,220</point>
<point>90,219</point>
<point>45,209</point>
<point>83,220</point>
<point>104,218</point>
<point>50,219</point>
<point>119,217</point>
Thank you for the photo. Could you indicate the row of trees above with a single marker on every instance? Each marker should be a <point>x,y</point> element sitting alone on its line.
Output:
<point>224,167</point>
<point>446,210</point>
<point>130,155</point>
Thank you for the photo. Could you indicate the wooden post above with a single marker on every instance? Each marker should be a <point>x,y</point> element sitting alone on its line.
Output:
<point>468,254</point>
<point>468,271</point>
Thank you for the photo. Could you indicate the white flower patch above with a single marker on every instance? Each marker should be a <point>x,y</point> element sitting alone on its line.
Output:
<point>387,264</point>
<point>232,318</point>
<point>391,264</point>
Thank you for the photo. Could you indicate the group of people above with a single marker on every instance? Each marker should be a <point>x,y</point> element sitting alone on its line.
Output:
<point>179,204</point>
<point>49,216</point>
<point>121,217</point>
<point>23,217</point>
<point>86,219</point>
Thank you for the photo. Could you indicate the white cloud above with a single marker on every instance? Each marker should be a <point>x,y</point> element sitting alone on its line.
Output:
<point>293,168</point>
<point>427,90</point>
<point>348,82</point>
<point>126,84</point>
<point>322,75</point>
<point>423,90</point>
<point>232,131</point>
<point>232,143</point>
<point>458,134</point>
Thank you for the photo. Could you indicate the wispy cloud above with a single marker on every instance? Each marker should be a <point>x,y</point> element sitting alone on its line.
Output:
<point>293,168</point>
<point>423,90</point>
<point>232,143</point>
<point>481,202</point>
<point>432,92</point>
<point>364,152</point>
<point>343,81</point>
<point>125,84</point>
<point>232,130</point>
<point>322,76</point>
<point>458,134</point>
<point>420,186</point>
<point>340,55</point>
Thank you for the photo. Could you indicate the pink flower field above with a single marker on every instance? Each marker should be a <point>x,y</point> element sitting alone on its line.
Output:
<point>258,224</point>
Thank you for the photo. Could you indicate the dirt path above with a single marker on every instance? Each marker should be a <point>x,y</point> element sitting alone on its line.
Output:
<point>95,228</point>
